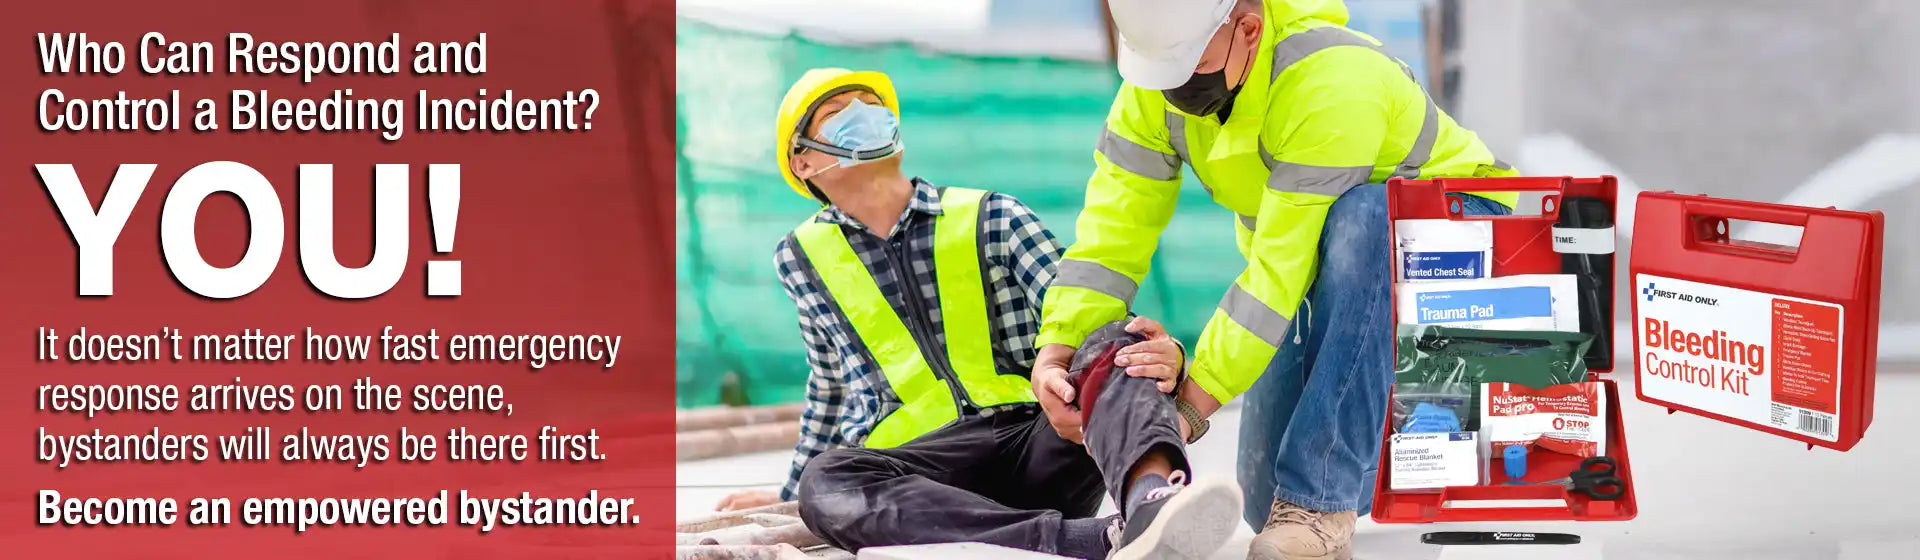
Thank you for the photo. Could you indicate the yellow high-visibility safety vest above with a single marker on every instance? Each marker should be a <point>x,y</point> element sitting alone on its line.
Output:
<point>928,386</point>
<point>1323,109</point>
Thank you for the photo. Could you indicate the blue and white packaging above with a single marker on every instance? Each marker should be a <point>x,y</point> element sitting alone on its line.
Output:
<point>1432,461</point>
<point>1429,250</point>
<point>1528,302</point>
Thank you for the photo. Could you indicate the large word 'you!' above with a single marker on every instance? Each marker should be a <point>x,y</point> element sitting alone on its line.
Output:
<point>95,230</point>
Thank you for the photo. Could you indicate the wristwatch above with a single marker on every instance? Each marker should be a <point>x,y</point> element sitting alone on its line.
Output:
<point>1197,426</point>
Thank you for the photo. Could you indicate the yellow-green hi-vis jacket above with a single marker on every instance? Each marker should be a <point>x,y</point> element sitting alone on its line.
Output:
<point>929,382</point>
<point>1322,110</point>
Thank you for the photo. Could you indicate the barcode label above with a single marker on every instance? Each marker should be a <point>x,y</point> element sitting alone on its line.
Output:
<point>1816,423</point>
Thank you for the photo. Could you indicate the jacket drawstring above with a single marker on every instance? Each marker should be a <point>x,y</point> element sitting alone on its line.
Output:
<point>1300,325</point>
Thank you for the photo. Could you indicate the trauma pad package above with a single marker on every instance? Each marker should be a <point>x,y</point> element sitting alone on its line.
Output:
<point>1527,302</point>
<point>1442,249</point>
<point>1434,460</point>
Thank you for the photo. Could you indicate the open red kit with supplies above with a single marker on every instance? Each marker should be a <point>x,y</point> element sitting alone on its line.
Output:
<point>1522,244</point>
<point>1787,332</point>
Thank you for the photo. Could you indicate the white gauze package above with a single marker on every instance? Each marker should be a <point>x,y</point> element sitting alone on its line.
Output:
<point>1427,250</point>
<point>1527,302</point>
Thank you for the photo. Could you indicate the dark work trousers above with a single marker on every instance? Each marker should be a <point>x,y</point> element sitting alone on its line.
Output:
<point>1006,479</point>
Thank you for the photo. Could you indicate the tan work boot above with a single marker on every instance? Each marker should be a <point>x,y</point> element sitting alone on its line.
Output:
<point>1297,533</point>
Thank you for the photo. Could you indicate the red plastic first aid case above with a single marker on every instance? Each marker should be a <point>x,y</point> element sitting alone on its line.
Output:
<point>1776,338</point>
<point>1522,244</point>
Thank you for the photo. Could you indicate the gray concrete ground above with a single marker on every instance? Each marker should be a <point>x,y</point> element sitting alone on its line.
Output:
<point>1706,491</point>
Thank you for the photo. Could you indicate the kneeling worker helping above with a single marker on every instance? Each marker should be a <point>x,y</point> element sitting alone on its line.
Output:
<point>1294,123</point>
<point>919,305</point>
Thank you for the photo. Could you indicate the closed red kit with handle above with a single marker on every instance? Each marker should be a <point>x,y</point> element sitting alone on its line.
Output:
<point>1777,338</point>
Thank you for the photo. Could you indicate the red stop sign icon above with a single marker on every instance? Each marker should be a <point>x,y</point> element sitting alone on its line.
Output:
<point>1559,424</point>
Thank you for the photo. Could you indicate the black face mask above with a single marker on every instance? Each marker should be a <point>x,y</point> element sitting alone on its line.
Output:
<point>1203,94</point>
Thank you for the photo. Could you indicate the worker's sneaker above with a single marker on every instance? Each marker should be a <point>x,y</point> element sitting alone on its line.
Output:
<point>1298,533</point>
<point>1178,521</point>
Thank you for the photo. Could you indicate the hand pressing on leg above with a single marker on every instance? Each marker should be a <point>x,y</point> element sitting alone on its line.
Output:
<point>1051,388</point>
<point>1160,357</point>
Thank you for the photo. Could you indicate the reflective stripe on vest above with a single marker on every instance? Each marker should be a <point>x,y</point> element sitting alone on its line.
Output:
<point>913,374</point>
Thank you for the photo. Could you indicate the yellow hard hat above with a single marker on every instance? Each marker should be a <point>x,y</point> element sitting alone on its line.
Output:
<point>805,96</point>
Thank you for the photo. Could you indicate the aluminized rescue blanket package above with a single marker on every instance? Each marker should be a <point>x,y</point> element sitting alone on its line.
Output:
<point>1431,461</point>
<point>1444,362</point>
<point>1441,249</point>
<point>1532,302</point>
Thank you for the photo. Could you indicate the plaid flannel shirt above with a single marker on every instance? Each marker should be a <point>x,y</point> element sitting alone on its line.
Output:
<point>843,405</point>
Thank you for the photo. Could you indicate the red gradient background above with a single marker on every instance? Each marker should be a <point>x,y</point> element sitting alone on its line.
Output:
<point>559,233</point>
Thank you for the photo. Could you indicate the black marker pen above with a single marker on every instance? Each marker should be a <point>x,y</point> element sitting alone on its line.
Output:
<point>1473,538</point>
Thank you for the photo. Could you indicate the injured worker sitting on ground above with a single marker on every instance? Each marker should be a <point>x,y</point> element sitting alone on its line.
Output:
<point>919,304</point>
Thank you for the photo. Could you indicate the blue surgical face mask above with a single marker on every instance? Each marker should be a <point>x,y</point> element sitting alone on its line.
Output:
<point>858,134</point>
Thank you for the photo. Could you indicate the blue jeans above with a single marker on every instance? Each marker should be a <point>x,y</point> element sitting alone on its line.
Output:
<point>1310,430</point>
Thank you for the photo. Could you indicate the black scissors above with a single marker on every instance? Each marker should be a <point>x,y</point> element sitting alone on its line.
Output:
<point>1595,478</point>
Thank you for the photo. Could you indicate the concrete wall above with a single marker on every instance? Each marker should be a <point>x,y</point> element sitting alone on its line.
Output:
<point>1753,96</point>
<point>1734,98</point>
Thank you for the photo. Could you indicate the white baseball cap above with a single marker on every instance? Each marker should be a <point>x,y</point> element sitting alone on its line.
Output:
<point>1161,40</point>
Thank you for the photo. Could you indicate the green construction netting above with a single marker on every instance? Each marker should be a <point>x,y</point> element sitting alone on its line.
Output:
<point>1024,126</point>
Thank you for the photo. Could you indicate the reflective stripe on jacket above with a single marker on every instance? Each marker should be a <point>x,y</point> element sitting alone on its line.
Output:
<point>1323,109</point>
<point>930,385</point>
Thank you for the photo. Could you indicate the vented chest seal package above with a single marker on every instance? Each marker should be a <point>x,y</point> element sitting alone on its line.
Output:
<point>1442,249</point>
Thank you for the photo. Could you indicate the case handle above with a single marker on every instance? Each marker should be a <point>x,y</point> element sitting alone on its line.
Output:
<point>1549,204</point>
<point>1709,230</point>
<point>1504,184</point>
<point>1770,213</point>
